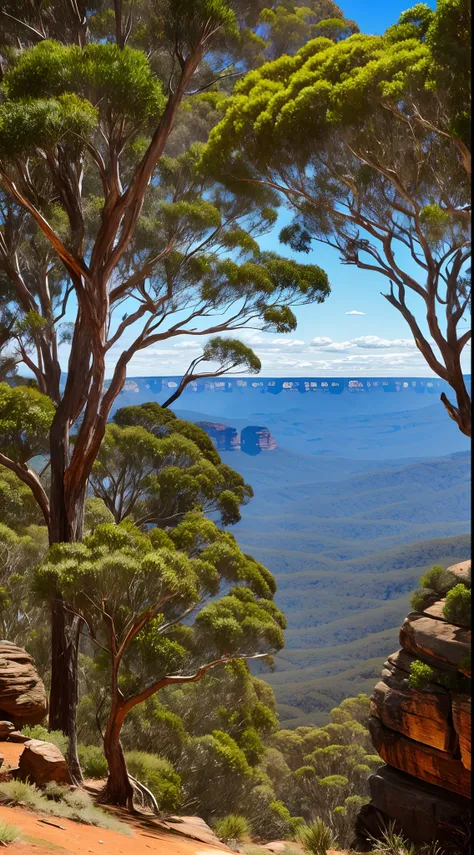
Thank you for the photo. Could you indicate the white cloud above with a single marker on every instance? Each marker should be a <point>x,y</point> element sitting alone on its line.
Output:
<point>288,342</point>
<point>373,341</point>
<point>321,340</point>
<point>355,312</point>
<point>185,345</point>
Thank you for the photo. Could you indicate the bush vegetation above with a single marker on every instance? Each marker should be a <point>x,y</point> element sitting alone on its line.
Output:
<point>62,802</point>
<point>457,608</point>
<point>232,828</point>
<point>8,833</point>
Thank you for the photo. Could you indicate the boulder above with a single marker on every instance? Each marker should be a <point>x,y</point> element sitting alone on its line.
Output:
<point>42,762</point>
<point>16,736</point>
<point>461,706</point>
<point>6,727</point>
<point>436,641</point>
<point>22,693</point>
<point>420,761</point>
<point>462,571</point>
<point>420,714</point>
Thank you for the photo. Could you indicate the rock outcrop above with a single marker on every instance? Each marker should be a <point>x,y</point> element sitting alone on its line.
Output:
<point>41,762</point>
<point>22,693</point>
<point>422,730</point>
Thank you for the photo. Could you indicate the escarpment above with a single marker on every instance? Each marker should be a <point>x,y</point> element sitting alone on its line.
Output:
<point>420,724</point>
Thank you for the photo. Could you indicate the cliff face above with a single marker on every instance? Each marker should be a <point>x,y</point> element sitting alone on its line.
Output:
<point>423,733</point>
<point>252,440</point>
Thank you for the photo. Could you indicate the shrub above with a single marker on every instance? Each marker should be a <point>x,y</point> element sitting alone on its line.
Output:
<point>457,608</point>
<point>317,837</point>
<point>439,580</point>
<point>53,790</point>
<point>158,775</point>
<point>421,675</point>
<point>392,844</point>
<point>232,827</point>
<point>270,818</point>
<point>92,760</point>
<point>422,598</point>
<point>8,833</point>
<point>56,738</point>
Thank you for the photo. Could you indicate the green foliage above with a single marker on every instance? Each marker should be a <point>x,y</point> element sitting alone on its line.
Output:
<point>422,599</point>
<point>317,838</point>
<point>438,579</point>
<point>232,828</point>
<point>25,419</point>
<point>92,760</point>
<point>159,776</point>
<point>154,468</point>
<point>421,675</point>
<point>8,833</point>
<point>457,608</point>
<point>17,506</point>
<point>72,804</point>
<point>269,818</point>
<point>37,731</point>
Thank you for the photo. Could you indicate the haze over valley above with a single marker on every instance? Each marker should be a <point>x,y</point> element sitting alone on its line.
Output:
<point>357,492</point>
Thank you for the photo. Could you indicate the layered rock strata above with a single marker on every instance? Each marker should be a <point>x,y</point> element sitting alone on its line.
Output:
<point>423,733</point>
<point>22,693</point>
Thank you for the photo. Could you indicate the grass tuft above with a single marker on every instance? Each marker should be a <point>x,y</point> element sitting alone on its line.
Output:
<point>8,833</point>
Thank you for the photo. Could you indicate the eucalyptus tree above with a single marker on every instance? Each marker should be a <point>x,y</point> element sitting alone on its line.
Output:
<point>145,601</point>
<point>227,355</point>
<point>109,244</point>
<point>156,478</point>
<point>367,140</point>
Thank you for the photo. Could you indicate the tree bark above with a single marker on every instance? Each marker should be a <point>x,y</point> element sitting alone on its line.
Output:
<point>119,789</point>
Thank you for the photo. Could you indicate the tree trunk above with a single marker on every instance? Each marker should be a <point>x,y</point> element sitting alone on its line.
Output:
<point>65,627</point>
<point>119,789</point>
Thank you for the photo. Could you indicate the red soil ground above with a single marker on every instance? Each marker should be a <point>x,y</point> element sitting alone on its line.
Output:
<point>38,837</point>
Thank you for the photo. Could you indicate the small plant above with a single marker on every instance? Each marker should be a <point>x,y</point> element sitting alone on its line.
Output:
<point>317,837</point>
<point>457,608</point>
<point>54,791</point>
<point>232,827</point>
<point>92,760</point>
<point>392,844</point>
<point>422,599</point>
<point>22,792</point>
<point>8,833</point>
<point>68,804</point>
<point>422,674</point>
<point>56,738</point>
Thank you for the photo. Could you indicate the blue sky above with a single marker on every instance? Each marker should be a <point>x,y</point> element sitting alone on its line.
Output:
<point>355,332</point>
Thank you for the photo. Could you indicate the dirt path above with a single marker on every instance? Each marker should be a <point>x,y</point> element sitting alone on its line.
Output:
<point>73,838</point>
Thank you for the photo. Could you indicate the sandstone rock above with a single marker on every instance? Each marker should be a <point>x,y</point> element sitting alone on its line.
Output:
<point>442,642</point>
<point>419,714</point>
<point>42,762</point>
<point>16,736</point>
<point>436,610</point>
<point>421,761</point>
<point>461,705</point>
<point>6,727</point>
<point>462,571</point>
<point>22,693</point>
<point>420,810</point>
